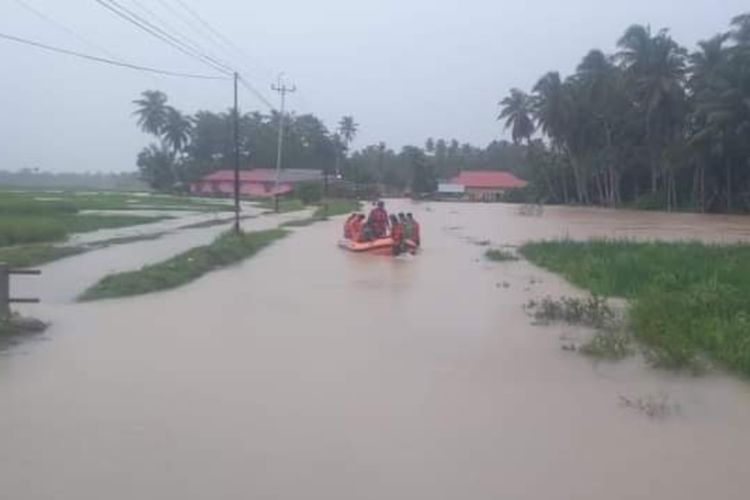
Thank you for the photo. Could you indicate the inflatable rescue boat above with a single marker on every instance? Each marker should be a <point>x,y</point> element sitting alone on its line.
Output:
<point>381,245</point>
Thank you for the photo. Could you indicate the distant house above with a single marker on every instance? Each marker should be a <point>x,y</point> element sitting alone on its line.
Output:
<point>255,182</point>
<point>486,185</point>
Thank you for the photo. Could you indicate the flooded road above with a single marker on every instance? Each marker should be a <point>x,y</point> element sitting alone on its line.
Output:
<point>307,372</point>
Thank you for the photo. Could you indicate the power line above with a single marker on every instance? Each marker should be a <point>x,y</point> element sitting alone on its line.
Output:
<point>256,93</point>
<point>191,24</point>
<point>169,29</point>
<point>216,33</point>
<point>108,61</point>
<point>157,32</point>
<point>67,30</point>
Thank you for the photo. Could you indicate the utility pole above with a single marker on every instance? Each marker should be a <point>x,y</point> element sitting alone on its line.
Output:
<point>283,90</point>
<point>236,159</point>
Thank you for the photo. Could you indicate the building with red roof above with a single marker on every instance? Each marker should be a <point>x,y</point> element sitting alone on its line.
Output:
<point>486,185</point>
<point>254,182</point>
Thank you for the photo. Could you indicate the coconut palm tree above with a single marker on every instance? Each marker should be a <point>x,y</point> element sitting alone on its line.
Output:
<point>176,131</point>
<point>655,66</point>
<point>551,107</point>
<point>151,111</point>
<point>516,110</point>
<point>348,130</point>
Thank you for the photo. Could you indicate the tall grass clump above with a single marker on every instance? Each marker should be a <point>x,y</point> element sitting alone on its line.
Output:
<point>185,267</point>
<point>689,301</point>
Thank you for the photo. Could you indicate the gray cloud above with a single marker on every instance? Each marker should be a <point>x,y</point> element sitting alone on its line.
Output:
<point>406,71</point>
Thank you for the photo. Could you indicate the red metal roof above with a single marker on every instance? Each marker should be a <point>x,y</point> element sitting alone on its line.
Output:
<point>489,179</point>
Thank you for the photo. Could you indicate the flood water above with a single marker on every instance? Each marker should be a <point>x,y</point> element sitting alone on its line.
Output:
<point>310,373</point>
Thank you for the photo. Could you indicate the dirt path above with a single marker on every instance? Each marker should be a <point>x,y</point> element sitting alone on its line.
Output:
<point>311,373</point>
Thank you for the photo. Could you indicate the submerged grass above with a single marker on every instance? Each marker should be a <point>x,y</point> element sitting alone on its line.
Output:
<point>285,205</point>
<point>25,229</point>
<point>688,300</point>
<point>334,207</point>
<point>225,250</point>
<point>500,255</point>
<point>34,255</point>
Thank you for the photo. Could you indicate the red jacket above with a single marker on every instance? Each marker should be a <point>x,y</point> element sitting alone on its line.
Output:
<point>397,233</point>
<point>379,220</point>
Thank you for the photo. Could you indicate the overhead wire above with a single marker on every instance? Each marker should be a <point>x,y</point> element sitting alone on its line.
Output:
<point>41,15</point>
<point>216,34</point>
<point>207,32</point>
<point>158,33</point>
<point>159,22</point>
<point>165,33</point>
<point>256,93</point>
<point>108,61</point>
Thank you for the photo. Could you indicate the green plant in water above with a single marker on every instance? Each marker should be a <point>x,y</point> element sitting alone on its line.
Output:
<point>592,311</point>
<point>500,255</point>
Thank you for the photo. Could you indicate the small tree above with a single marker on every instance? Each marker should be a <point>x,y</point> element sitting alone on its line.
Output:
<point>156,166</point>
<point>423,180</point>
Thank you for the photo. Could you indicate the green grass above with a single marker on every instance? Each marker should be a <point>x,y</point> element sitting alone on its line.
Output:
<point>286,205</point>
<point>25,229</point>
<point>34,255</point>
<point>301,222</point>
<point>17,230</point>
<point>500,255</point>
<point>183,268</point>
<point>334,207</point>
<point>689,301</point>
<point>36,202</point>
<point>90,222</point>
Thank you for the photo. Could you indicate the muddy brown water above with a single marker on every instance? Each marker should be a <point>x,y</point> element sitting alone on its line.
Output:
<point>307,372</point>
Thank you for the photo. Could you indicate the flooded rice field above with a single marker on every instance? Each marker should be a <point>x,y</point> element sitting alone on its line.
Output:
<point>308,372</point>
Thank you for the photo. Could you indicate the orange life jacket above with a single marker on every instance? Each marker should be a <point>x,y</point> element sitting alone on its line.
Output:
<point>355,229</point>
<point>397,233</point>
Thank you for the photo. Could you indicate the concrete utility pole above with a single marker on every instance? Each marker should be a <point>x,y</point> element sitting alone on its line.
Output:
<point>236,160</point>
<point>283,90</point>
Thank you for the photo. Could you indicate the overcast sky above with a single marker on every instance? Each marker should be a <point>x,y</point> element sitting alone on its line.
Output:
<point>405,69</point>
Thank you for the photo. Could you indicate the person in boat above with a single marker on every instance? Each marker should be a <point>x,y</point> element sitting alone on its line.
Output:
<point>397,235</point>
<point>357,226</point>
<point>415,237</point>
<point>378,221</point>
<point>405,224</point>
<point>348,226</point>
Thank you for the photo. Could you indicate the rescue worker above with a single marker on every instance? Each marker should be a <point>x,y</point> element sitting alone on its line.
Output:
<point>397,235</point>
<point>415,237</point>
<point>348,226</point>
<point>406,225</point>
<point>378,221</point>
<point>356,227</point>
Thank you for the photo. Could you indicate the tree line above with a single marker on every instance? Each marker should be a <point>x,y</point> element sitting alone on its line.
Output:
<point>652,124</point>
<point>190,146</point>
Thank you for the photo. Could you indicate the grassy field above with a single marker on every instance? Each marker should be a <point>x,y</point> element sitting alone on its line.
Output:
<point>34,255</point>
<point>286,204</point>
<point>28,202</point>
<point>225,250</point>
<point>28,218</point>
<point>689,301</point>
<point>334,207</point>
<point>25,229</point>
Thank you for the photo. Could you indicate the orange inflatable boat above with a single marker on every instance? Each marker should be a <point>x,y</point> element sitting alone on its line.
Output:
<point>381,245</point>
